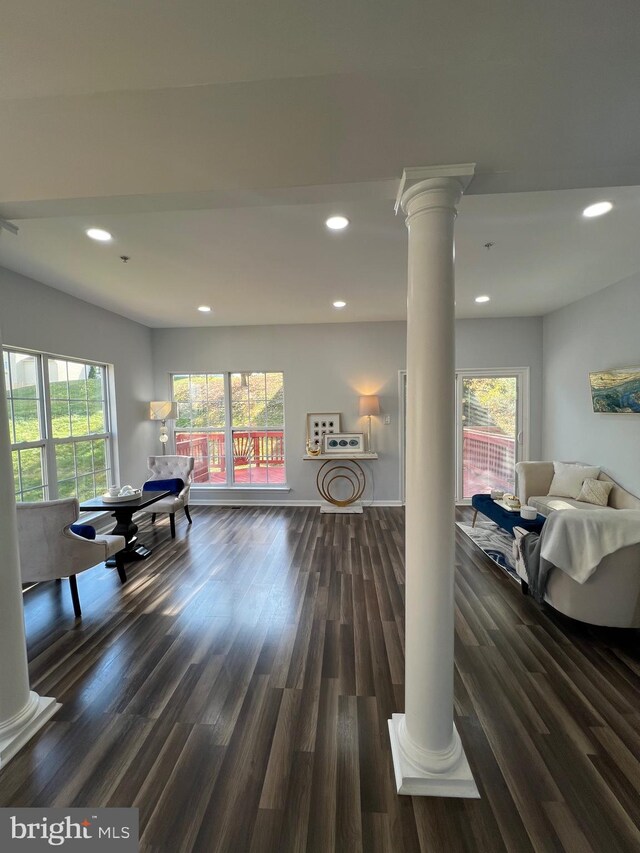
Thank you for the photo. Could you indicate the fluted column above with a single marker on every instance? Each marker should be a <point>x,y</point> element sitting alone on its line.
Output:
<point>427,751</point>
<point>22,712</point>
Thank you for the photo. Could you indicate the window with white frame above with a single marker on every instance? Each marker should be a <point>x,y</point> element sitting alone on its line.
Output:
<point>59,425</point>
<point>233,425</point>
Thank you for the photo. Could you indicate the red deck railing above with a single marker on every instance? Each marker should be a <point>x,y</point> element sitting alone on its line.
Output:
<point>258,455</point>
<point>489,460</point>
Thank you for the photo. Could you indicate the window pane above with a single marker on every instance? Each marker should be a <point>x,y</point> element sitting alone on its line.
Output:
<point>24,375</point>
<point>21,377</point>
<point>96,416</point>
<point>100,454</point>
<point>86,488</point>
<point>217,458</point>
<point>198,389</point>
<point>257,413</point>
<point>181,388</point>
<point>26,421</point>
<point>95,382</point>
<point>208,452</point>
<point>31,472</point>
<point>58,379</point>
<point>77,374</point>
<point>275,399</point>
<point>60,423</point>
<point>32,495</point>
<point>257,385</point>
<point>240,414</point>
<point>239,387</point>
<point>274,453</point>
<point>183,443</point>
<point>101,482</point>
<point>65,461</point>
<point>215,387</point>
<point>67,489</point>
<point>12,434</point>
<point>259,457</point>
<point>79,417</point>
<point>16,471</point>
<point>215,414</point>
<point>243,457</point>
<point>7,377</point>
<point>183,419</point>
<point>84,457</point>
<point>198,414</point>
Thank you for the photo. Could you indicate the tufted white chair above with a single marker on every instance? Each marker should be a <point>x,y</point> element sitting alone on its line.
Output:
<point>49,550</point>
<point>170,468</point>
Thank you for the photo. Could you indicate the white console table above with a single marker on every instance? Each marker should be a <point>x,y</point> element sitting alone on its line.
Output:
<point>353,474</point>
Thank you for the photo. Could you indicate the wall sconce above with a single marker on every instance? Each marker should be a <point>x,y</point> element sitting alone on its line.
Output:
<point>162,410</point>
<point>369,405</point>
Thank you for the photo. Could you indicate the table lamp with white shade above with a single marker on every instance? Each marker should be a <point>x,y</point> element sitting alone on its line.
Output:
<point>162,410</point>
<point>369,405</point>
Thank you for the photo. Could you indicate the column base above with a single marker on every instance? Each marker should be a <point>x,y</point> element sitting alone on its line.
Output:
<point>412,779</point>
<point>356,507</point>
<point>15,734</point>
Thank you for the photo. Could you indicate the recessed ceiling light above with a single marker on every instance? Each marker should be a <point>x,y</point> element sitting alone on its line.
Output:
<point>99,234</point>
<point>339,304</point>
<point>336,223</point>
<point>483,298</point>
<point>204,308</point>
<point>597,209</point>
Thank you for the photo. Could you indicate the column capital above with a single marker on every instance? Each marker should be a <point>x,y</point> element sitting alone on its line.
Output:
<point>436,186</point>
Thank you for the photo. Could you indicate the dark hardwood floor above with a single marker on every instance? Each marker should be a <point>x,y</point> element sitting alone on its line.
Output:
<point>237,690</point>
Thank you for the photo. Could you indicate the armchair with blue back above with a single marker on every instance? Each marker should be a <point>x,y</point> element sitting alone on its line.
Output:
<point>174,474</point>
<point>53,545</point>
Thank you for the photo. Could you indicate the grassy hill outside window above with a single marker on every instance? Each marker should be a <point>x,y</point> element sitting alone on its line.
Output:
<point>59,425</point>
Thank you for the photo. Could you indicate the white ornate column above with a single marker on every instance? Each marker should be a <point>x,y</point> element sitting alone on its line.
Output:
<point>427,752</point>
<point>22,712</point>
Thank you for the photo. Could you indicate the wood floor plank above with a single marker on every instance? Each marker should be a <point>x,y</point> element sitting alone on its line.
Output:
<point>236,691</point>
<point>348,808</point>
<point>276,780</point>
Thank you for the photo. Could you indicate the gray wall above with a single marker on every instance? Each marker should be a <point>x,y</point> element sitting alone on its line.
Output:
<point>327,367</point>
<point>37,317</point>
<point>598,332</point>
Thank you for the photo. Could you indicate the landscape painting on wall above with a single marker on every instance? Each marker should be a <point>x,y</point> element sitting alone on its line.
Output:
<point>616,390</point>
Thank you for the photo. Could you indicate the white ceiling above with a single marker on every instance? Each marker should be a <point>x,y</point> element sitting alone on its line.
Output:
<point>213,137</point>
<point>279,264</point>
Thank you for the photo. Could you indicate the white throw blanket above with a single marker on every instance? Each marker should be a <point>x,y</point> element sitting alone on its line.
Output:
<point>577,540</point>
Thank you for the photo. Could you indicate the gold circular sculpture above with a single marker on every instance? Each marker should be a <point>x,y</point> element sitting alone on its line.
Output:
<point>349,471</point>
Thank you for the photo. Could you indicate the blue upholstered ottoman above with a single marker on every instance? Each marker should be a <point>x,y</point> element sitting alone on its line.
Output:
<point>502,517</point>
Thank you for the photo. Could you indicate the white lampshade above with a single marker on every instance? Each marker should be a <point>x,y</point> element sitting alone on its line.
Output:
<point>162,410</point>
<point>369,405</point>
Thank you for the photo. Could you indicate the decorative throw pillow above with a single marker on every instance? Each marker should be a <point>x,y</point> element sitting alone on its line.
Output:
<point>595,492</point>
<point>568,479</point>
<point>175,486</point>
<point>84,530</point>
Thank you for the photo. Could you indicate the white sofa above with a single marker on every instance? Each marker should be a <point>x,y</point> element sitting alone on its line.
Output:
<point>611,596</point>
